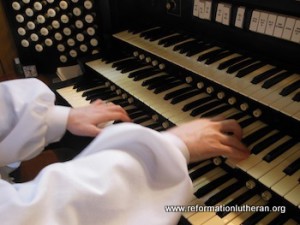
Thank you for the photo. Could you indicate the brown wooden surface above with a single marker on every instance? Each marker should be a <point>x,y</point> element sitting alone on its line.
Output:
<point>7,45</point>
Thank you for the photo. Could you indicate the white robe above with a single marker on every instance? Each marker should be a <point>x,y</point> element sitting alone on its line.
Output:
<point>127,175</point>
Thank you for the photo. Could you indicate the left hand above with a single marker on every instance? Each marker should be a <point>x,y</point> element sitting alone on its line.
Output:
<point>85,121</point>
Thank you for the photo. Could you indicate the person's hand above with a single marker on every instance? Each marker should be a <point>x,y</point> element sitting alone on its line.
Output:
<point>206,138</point>
<point>87,121</point>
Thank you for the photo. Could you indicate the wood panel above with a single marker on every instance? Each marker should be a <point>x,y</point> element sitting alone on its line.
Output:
<point>7,46</point>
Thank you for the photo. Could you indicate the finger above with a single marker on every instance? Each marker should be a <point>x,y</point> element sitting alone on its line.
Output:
<point>97,102</point>
<point>231,127</point>
<point>117,108</point>
<point>218,118</point>
<point>89,130</point>
<point>116,115</point>
<point>234,143</point>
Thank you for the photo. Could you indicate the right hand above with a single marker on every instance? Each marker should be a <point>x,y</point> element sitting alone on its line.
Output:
<point>206,138</point>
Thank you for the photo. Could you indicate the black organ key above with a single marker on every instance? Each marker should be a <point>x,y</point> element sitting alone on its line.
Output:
<point>114,57</point>
<point>297,97</point>
<point>217,57</point>
<point>279,150</point>
<point>178,92</point>
<point>141,119</point>
<point>200,47</point>
<point>127,64</point>
<point>140,72</point>
<point>293,167</point>
<point>253,137</point>
<point>185,96</point>
<point>167,86</point>
<point>197,103</point>
<point>238,201</point>
<point>194,164</point>
<point>276,79</point>
<point>146,74</point>
<point>259,147</point>
<point>249,69</point>
<point>132,111</point>
<point>155,126</point>
<point>224,193</point>
<point>205,107</point>
<point>156,34</point>
<point>201,171</point>
<point>103,96</point>
<point>136,114</point>
<point>164,82</point>
<point>168,41</point>
<point>236,116</point>
<point>157,79</point>
<point>231,62</point>
<point>265,75</point>
<point>86,83</point>
<point>133,66</point>
<point>255,218</point>
<point>212,185</point>
<point>183,221</point>
<point>290,88</point>
<point>217,111</point>
<point>95,91</point>
<point>120,102</point>
<point>210,54</point>
<point>236,67</point>
<point>183,47</point>
<point>150,32</point>
<point>123,62</point>
<point>280,219</point>
<point>136,30</point>
<point>247,122</point>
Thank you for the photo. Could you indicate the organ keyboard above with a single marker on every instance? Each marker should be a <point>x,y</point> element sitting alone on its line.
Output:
<point>164,75</point>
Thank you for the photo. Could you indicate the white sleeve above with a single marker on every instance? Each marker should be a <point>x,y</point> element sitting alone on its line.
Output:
<point>29,119</point>
<point>127,175</point>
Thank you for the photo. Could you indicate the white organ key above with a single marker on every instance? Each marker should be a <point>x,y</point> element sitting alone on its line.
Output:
<point>208,177</point>
<point>202,181</point>
<point>215,219</point>
<point>243,216</point>
<point>268,218</point>
<point>271,95</point>
<point>232,215</point>
<point>200,218</point>
<point>254,126</point>
<point>276,174</point>
<point>252,160</point>
<point>263,167</point>
<point>293,196</point>
<point>287,184</point>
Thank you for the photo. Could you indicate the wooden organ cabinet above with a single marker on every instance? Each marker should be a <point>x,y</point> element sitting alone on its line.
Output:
<point>170,61</point>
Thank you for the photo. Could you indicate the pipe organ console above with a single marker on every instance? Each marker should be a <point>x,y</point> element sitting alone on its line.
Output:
<point>171,61</point>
